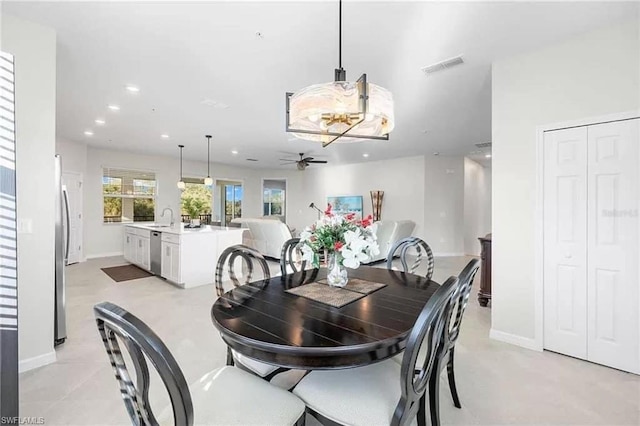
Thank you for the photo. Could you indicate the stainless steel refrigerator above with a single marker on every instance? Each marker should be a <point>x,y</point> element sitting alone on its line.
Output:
<point>62,253</point>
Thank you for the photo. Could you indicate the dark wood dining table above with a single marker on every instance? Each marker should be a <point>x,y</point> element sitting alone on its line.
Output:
<point>263,321</point>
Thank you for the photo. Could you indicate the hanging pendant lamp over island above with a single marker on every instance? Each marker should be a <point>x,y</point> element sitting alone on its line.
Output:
<point>208,181</point>
<point>181,184</point>
<point>340,110</point>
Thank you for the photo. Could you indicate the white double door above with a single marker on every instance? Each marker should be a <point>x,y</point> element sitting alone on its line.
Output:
<point>591,243</point>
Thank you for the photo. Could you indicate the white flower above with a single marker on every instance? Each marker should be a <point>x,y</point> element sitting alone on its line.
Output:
<point>374,249</point>
<point>307,253</point>
<point>350,259</point>
<point>306,234</point>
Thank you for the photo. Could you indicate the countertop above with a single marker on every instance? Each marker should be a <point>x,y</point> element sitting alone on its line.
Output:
<point>179,229</point>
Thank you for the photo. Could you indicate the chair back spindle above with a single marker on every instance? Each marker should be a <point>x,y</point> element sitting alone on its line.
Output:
<point>249,256</point>
<point>291,257</point>
<point>115,323</point>
<point>422,249</point>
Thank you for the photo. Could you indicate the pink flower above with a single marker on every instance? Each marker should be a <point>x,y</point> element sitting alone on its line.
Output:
<point>338,245</point>
<point>328,212</point>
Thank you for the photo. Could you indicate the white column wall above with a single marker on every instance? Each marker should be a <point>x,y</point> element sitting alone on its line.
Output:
<point>34,50</point>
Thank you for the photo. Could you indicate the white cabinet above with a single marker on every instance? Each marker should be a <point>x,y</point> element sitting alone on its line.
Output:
<point>142,252</point>
<point>591,243</point>
<point>188,258</point>
<point>171,261</point>
<point>137,246</point>
<point>129,246</point>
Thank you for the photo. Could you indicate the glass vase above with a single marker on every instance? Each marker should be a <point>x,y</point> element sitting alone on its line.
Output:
<point>337,273</point>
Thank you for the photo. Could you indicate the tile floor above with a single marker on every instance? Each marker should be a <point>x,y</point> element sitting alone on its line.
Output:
<point>499,384</point>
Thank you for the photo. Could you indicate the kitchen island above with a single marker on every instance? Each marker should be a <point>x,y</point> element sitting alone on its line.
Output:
<point>183,256</point>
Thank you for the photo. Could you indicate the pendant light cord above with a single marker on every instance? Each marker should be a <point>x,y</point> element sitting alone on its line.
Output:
<point>340,34</point>
<point>208,155</point>
<point>181,146</point>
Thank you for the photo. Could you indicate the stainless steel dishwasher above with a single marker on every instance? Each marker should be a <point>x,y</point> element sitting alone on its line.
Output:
<point>156,253</point>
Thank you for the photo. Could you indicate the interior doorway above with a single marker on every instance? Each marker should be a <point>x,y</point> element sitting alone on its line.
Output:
<point>228,198</point>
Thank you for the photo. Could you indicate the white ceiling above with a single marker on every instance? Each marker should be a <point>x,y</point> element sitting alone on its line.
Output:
<point>181,54</point>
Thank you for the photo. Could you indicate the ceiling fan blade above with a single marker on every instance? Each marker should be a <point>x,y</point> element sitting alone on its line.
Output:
<point>286,159</point>
<point>318,161</point>
<point>307,159</point>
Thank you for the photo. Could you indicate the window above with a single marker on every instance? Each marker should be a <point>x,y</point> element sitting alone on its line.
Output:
<point>195,201</point>
<point>128,195</point>
<point>273,202</point>
<point>273,197</point>
<point>232,202</point>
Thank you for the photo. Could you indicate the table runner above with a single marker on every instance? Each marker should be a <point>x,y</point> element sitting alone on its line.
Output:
<point>320,291</point>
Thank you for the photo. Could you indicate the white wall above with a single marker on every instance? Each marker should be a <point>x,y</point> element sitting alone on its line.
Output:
<point>443,194</point>
<point>591,75</point>
<point>477,205</point>
<point>73,154</point>
<point>34,49</point>
<point>402,181</point>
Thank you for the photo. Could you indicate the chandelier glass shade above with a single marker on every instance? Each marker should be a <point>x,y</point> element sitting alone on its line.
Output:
<point>331,109</point>
<point>340,110</point>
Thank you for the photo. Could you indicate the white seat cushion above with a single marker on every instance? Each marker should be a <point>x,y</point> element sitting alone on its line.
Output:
<point>260,368</point>
<point>229,396</point>
<point>365,396</point>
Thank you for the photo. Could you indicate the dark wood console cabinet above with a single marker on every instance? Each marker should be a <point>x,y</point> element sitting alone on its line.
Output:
<point>484,295</point>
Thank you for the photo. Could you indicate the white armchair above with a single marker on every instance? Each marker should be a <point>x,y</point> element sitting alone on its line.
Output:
<point>266,235</point>
<point>388,232</point>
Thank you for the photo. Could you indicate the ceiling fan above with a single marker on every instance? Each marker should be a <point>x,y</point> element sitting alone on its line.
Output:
<point>303,162</point>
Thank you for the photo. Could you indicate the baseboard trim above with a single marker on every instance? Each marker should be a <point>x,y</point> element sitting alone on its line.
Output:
<point>447,254</point>
<point>523,342</point>
<point>99,255</point>
<point>36,361</point>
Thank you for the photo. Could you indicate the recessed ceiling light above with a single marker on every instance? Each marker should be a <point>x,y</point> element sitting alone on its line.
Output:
<point>487,156</point>
<point>88,133</point>
<point>133,89</point>
<point>365,155</point>
<point>99,122</point>
<point>114,107</point>
<point>164,136</point>
<point>234,152</point>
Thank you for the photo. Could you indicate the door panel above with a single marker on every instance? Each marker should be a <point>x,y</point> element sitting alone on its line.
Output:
<point>565,241</point>
<point>613,202</point>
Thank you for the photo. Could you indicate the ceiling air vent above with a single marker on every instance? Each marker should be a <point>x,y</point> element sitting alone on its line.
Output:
<point>484,145</point>
<point>443,65</point>
<point>252,159</point>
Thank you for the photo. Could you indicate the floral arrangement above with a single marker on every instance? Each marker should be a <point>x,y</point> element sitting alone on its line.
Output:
<point>351,239</point>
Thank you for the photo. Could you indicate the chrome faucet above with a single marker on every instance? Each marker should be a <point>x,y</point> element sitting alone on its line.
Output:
<point>163,212</point>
